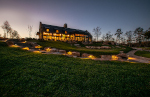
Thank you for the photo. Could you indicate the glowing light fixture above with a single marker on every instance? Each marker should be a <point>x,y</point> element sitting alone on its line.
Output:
<point>69,53</point>
<point>48,49</point>
<point>91,57</point>
<point>114,57</point>
<point>36,51</point>
<point>14,45</point>
<point>24,42</point>
<point>131,58</point>
<point>38,46</point>
<point>25,48</point>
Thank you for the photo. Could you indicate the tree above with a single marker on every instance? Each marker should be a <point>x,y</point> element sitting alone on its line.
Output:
<point>122,40</point>
<point>118,33</point>
<point>147,34</point>
<point>15,34</point>
<point>103,37</point>
<point>138,32</point>
<point>6,28</point>
<point>10,32</point>
<point>30,30</point>
<point>129,35</point>
<point>97,32</point>
<point>108,36</point>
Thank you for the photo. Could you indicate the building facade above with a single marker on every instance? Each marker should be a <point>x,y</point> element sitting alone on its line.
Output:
<point>56,33</point>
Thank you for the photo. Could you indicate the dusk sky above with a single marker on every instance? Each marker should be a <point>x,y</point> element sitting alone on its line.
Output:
<point>109,15</point>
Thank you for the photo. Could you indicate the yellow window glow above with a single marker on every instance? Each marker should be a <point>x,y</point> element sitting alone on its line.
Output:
<point>65,32</point>
<point>47,30</point>
<point>57,31</point>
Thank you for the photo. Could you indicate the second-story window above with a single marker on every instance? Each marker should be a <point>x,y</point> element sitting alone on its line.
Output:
<point>47,30</point>
<point>57,31</point>
<point>65,32</point>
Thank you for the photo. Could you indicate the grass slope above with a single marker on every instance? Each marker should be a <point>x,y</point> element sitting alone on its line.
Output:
<point>95,52</point>
<point>143,53</point>
<point>24,73</point>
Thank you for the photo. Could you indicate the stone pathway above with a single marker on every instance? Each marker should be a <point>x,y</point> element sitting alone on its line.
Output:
<point>137,58</point>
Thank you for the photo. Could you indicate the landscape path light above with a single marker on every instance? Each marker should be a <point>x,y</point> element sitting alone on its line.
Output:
<point>114,57</point>
<point>91,57</point>
<point>38,46</point>
<point>14,45</point>
<point>25,48</point>
<point>48,49</point>
<point>69,53</point>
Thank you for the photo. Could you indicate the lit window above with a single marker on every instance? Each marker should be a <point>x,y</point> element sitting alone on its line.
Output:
<point>65,32</point>
<point>54,34</point>
<point>47,30</point>
<point>57,31</point>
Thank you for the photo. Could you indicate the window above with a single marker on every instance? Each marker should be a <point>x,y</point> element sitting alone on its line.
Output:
<point>57,31</point>
<point>54,34</point>
<point>47,30</point>
<point>65,32</point>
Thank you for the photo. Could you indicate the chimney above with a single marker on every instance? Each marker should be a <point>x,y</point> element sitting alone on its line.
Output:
<point>65,25</point>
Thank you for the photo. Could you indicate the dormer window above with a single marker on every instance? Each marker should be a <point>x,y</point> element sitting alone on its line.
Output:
<point>65,32</point>
<point>57,31</point>
<point>47,30</point>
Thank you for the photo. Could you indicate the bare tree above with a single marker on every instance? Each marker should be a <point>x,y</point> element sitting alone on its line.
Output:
<point>147,34</point>
<point>129,35</point>
<point>15,34</point>
<point>122,40</point>
<point>103,37</point>
<point>118,33</point>
<point>6,28</point>
<point>97,32</point>
<point>10,32</point>
<point>108,36</point>
<point>138,31</point>
<point>30,30</point>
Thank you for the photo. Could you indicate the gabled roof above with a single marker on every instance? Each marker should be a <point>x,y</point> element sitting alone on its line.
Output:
<point>53,28</point>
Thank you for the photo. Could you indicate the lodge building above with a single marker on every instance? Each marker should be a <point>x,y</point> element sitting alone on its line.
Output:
<point>56,33</point>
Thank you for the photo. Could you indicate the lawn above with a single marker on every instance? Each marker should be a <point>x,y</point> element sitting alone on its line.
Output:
<point>145,48</point>
<point>95,52</point>
<point>143,53</point>
<point>24,73</point>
